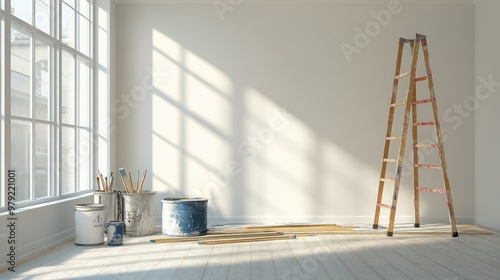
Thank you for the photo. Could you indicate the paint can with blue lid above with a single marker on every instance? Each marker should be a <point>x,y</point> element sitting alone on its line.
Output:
<point>115,233</point>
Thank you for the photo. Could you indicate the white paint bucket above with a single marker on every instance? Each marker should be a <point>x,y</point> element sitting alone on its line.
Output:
<point>89,224</point>
<point>139,213</point>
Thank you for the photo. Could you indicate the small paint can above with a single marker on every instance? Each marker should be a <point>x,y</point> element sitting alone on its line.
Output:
<point>115,233</point>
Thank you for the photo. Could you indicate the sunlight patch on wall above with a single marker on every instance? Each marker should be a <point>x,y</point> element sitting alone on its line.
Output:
<point>166,140</point>
<point>191,117</point>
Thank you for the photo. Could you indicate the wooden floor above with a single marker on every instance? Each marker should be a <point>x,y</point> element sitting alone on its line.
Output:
<point>354,256</point>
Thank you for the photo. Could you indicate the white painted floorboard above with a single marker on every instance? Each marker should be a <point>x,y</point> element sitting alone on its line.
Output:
<point>318,257</point>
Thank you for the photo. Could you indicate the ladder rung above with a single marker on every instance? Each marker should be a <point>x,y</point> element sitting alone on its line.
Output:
<point>402,103</point>
<point>387,180</point>
<point>423,123</point>
<point>422,101</point>
<point>390,160</point>
<point>419,79</point>
<point>426,146</point>
<point>428,166</point>
<point>393,138</point>
<point>384,205</point>
<point>430,190</point>
<point>402,75</point>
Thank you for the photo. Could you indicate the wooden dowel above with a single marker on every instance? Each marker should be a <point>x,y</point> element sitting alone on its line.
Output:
<point>248,239</point>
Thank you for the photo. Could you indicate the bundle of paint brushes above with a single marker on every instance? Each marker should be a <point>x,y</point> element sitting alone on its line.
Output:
<point>127,181</point>
<point>103,184</point>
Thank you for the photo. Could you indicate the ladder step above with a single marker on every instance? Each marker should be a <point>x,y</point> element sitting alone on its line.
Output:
<point>419,79</point>
<point>423,123</point>
<point>390,160</point>
<point>402,103</point>
<point>384,205</point>
<point>393,138</point>
<point>402,75</point>
<point>430,190</point>
<point>422,101</point>
<point>428,166</point>
<point>387,180</point>
<point>426,146</point>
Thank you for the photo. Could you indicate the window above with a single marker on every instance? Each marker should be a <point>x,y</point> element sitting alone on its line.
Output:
<point>50,101</point>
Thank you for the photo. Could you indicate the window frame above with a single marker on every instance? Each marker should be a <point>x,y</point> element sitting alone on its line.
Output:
<point>54,122</point>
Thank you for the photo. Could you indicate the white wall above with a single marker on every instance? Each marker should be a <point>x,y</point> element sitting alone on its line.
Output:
<point>197,90</point>
<point>487,131</point>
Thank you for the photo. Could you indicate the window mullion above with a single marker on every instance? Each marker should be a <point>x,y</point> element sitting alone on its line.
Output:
<point>58,120</point>
<point>32,111</point>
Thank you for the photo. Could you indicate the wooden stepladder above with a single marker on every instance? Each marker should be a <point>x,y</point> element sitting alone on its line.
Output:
<point>411,105</point>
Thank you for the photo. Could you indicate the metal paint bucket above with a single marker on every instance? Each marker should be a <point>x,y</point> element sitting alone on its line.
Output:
<point>89,226</point>
<point>115,233</point>
<point>110,199</point>
<point>139,213</point>
<point>184,216</point>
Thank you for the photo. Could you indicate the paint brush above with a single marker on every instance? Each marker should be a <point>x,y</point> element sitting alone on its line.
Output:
<point>111,180</point>
<point>98,184</point>
<point>137,184</point>
<point>130,179</point>
<point>142,181</point>
<point>123,175</point>
<point>102,180</point>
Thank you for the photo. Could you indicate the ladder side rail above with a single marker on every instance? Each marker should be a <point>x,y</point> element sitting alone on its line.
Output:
<point>437,126</point>
<point>402,144</point>
<point>388,132</point>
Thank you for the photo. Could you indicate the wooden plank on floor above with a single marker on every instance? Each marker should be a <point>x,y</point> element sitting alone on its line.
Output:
<point>118,261</point>
<point>382,246</point>
<point>239,268</point>
<point>150,257</point>
<point>309,265</point>
<point>384,268</point>
<point>262,267</point>
<point>356,265</point>
<point>451,248</point>
<point>427,246</point>
<point>194,263</point>
<point>331,263</point>
<point>411,251</point>
<point>285,265</point>
<point>55,255</point>
<point>166,267</point>
<point>88,263</point>
<point>212,237</point>
<point>242,240</point>
<point>218,264</point>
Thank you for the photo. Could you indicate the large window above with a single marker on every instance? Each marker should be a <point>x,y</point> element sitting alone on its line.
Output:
<point>47,109</point>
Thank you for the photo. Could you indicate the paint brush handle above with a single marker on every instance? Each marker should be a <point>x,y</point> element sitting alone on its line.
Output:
<point>98,184</point>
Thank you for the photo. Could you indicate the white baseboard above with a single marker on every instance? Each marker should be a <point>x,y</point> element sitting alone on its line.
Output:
<point>487,223</point>
<point>343,220</point>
